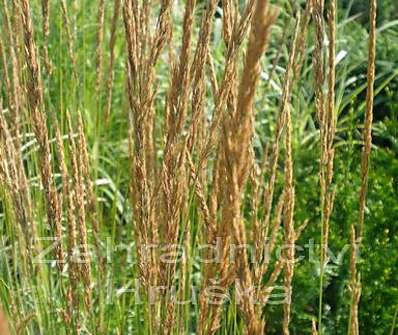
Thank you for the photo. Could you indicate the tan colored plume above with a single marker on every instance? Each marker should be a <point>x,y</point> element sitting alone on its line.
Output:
<point>4,330</point>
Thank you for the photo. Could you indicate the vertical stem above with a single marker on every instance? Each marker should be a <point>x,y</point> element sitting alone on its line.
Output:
<point>355,283</point>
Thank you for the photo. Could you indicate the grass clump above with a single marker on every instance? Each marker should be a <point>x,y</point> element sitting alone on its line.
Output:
<point>163,163</point>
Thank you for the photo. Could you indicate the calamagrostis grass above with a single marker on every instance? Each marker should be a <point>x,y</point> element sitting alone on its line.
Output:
<point>4,329</point>
<point>199,153</point>
<point>45,6</point>
<point>35,103</point>
<point>111,74</point>
<point>99,48</point>
<point>290,234</point>
<point>357,231</point>
<point>325,110</point>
